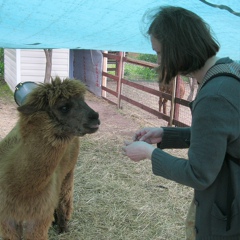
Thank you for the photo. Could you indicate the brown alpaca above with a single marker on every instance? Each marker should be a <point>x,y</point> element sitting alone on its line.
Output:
<point>168,88</point>
<point>37,160</point>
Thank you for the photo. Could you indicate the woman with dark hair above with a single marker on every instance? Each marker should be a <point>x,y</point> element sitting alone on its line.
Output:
<point>184,45</point>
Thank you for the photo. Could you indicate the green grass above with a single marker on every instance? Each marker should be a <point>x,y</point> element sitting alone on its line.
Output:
<point>5,91</point>
<point>138,73</point>
<point>135,72</point>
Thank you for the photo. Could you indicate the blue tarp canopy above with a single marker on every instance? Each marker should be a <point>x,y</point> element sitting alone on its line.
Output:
<point>113,25</point>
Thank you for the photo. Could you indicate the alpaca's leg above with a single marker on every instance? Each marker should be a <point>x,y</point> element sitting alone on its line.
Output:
<point>10,230</point>
<point>164,103</point>
<point>160,104</point>
<point>37,229</point>
<point>65,207</point>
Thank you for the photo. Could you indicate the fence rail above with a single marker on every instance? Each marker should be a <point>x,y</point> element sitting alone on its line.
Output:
<point>120,82</point>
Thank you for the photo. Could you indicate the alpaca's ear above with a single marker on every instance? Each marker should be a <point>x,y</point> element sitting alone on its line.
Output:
<point>27,109</point>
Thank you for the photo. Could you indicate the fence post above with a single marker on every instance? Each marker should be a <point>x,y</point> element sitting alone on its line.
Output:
<point>119,74</point>
<point>177,95</point>
<point>172,102</point>
<point>104,79</point>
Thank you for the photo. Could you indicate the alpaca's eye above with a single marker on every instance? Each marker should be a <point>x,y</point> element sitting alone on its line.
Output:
<point>64,109</point>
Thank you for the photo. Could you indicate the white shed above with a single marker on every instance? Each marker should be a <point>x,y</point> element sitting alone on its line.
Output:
<point>21,65</point>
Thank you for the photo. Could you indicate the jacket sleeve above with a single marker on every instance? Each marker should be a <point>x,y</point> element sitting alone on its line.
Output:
<point>214,126</point>
<point>175,137</point>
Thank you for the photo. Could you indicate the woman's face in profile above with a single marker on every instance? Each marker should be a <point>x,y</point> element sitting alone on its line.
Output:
<point>156,46</point>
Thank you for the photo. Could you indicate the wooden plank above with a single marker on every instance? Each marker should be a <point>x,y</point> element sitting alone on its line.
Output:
<point>179,124</point>
<point>113,77</point>
<point>172,111</point>
<point>182,102</point>
<point>146,108</point>
<point>111,56</point>
<point>111,69</point>
<point>109,91</point>
<point>104,78</point>
<point>120,73</point>
<point>140,62</point>
<point>147,89</point>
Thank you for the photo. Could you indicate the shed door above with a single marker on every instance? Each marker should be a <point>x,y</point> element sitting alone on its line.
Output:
<point>86,65</point>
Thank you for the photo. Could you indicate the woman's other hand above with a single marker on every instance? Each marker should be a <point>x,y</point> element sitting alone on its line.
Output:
<point>137,150</point>
<point>149,135</point>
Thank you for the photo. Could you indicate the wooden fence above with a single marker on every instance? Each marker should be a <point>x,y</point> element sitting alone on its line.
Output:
<point>118,60</point>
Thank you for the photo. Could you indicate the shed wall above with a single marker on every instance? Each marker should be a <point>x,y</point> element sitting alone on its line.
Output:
<point>23,65</point>
<point>33,63</point>
<point>10,67</point>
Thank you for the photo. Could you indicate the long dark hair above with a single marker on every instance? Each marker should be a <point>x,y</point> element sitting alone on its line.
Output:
<point>185,38</point>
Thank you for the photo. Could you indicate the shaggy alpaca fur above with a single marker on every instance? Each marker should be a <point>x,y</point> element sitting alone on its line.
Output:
<point>37,160</point>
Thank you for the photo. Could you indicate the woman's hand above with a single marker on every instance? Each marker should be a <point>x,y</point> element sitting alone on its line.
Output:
<point>137,151</point>
<point>149,135</point>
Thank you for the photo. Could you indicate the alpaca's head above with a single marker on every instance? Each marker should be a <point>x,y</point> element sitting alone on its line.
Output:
<point>64,104</point>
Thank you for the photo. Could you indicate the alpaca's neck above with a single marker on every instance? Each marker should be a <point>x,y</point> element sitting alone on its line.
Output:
<point>43,151</point>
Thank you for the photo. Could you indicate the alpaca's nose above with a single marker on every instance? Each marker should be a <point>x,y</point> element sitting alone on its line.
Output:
<point>94,116</point>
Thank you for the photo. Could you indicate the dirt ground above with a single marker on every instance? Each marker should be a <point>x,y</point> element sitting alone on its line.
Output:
<point>8,116</point>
